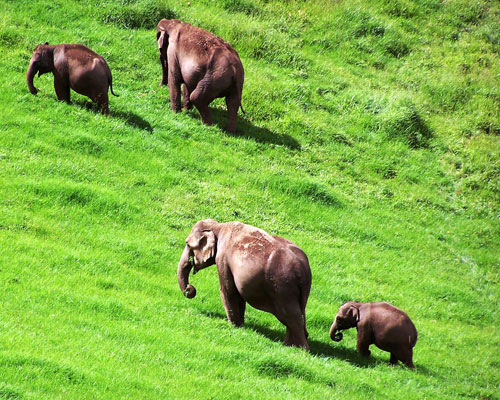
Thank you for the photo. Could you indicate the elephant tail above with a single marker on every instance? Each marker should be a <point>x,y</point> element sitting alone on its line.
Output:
<point>238,82</point>
<point>111,88</point>
<point>110,81</point>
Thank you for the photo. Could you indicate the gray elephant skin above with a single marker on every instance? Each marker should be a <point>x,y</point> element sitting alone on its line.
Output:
<point>205,65</point>
<point>381,324</point>
<point>268,272</point>
<point>75,67</point>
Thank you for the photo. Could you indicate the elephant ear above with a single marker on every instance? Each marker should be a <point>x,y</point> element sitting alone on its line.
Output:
<point>354,313</point>
<point>207,244</point>
<point>161,36</point>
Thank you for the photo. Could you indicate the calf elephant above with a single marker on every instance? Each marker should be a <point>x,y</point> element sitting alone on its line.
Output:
<point>204,64</point>
<point>382,324</point>
<point>268,272</point>
<point>75,67</point>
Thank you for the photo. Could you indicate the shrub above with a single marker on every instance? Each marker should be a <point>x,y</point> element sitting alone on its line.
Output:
<point>302,187</point>
<point>138,15</point>
<point>394,45</point>
<point>403,121</point>
<point>243,6</point>
<point>271,47</point>
<point>362,23</point>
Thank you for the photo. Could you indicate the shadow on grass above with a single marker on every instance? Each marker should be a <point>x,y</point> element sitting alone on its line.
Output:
<point>317,348</point>
<point>245,129</point>
<point>130,118</point>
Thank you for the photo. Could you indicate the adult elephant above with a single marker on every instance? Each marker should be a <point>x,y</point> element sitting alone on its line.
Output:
<point>206,65</point>
<point>75,67</point>
<point>268,272</point>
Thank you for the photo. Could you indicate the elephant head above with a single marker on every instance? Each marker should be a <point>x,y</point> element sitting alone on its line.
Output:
<point>199,253</point>
<point>347,317</point>
<point>42,62</point>
<point>163,31</point>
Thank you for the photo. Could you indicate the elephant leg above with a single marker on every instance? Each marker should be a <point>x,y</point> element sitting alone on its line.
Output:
<point>185,97</point>
<point>234,306</point>
<point>364,351</point>
<point>363,343</point>
<point>233,103</point>
<point>164,70</point>
<point>290,315</point>
<point>102,100</point>
<point>406,357</point>
<point>175,92</point>
<point>233,303</point>
<point>394,359</point>
<point>201,99</point>
<point>61,86</point>
<point>204,111</point>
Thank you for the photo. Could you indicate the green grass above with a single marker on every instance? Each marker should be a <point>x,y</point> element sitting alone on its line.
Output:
<point>371,139</point>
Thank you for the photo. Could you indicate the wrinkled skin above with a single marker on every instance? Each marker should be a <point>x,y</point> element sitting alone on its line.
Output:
<point>75,67</point>
<point>205,65</point>
<point>268,272</point>
<point>381,324</point>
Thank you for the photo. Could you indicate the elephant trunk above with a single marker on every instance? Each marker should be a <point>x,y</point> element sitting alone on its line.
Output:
<point>183,271</point>
<point>334,334</point>
<point>32,70</point>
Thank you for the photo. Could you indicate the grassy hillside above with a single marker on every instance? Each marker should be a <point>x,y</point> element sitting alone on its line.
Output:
<point>371,139</point>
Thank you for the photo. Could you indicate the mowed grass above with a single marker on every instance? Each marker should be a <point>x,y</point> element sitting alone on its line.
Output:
<point>371,139</point>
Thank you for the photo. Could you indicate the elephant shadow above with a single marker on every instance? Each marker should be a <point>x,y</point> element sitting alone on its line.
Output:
<point>130,118</point>
<point>322,349</point>
<point>244,128</point>
<point>317,348</point>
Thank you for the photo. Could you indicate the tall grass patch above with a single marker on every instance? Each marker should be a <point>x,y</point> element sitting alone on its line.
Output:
<point>132,14</point>
<point>403,121</point>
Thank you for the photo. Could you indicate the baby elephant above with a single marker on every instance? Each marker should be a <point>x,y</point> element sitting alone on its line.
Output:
<point>382,324</point>
<point>74,66</point>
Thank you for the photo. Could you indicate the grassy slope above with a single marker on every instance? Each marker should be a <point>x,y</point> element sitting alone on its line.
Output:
<point>371,139</point>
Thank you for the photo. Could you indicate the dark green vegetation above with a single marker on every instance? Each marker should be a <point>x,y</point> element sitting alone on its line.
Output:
<point>371,139</point>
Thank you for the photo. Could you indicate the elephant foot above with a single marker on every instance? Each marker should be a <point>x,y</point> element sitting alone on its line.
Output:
<point>236,322</point>
<point>366,353</point>
<point>295,339</point>
<point>302,345</point>
<point>410,365</point>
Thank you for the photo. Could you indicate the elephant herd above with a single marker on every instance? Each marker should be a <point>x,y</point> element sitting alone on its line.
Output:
<point>268,272</point>
<point>204,65</point>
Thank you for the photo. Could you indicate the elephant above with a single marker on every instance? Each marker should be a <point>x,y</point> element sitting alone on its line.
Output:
<point>382,324</point>
<point>270,273</point>
<point>74,66</point>
<point>205,65</point>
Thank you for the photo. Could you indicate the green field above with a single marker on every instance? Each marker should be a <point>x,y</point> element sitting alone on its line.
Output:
<point>371,139</point>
